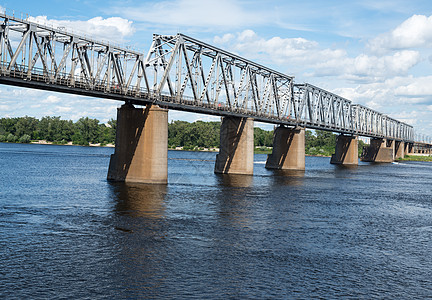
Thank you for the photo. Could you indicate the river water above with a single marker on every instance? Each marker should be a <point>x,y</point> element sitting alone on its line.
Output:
<point>330,232</point>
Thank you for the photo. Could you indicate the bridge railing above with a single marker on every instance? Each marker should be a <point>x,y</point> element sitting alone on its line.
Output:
<point>182,73</point>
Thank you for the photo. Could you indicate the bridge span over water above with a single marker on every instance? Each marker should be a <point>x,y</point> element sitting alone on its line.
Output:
<point>182,73</point>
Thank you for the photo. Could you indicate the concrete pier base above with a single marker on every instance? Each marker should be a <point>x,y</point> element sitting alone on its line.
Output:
<point>409,148</point>
<point>399,149</point>
<point>236,152</point>
<point>288,149</point>
<point>380,151</point>
<point>346,152</point>
<point>141,151</point>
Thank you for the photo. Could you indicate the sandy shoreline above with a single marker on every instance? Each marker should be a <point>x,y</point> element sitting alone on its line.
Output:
<point>44,142</point>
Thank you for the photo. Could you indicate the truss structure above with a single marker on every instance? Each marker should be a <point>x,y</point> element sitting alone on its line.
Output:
<point>190,71</point>
<point>179,73</point>
<point>368,122</point>
<point>36,53</point>
<point>318,108</point>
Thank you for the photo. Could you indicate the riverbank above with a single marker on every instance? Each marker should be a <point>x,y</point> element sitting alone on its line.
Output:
<point>257,150</point>
<point>416,157</point>
<point>44,142</point>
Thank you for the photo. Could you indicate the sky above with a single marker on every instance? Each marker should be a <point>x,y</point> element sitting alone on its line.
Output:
<point>375,53</point>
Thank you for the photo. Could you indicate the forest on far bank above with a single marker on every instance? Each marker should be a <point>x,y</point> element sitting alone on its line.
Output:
<point>53,129</point>
<point>189,136</point>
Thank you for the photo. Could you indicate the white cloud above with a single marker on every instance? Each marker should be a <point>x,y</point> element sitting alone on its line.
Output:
<point>416,87</point>
<point>63,109</point>
<point>413,33</point>
<point>299,54</point>
<point>226,38</point>
<point>369,68</point>
<point>113,29</point>
<point>194,13</point>
<point>397,90</point>
<point>4,107</point>
<point>285,51</point>
<point>403,98</point>
<point>51,99</point>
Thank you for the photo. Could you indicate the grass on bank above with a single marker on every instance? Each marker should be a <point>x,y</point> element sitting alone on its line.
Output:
<point>415,158</point>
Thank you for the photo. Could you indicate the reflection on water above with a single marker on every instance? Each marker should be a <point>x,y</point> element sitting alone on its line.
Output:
<point>143,200</point>
<point>232,204</point>
<point>233,180</point>
<point>288,177</point>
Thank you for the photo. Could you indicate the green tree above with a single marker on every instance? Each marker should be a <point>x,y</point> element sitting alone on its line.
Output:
<point>50,129</point>
<point>7,125</point>
<point>263,137</point>
<point>190,135</point>
<point>87,131</point>
<point>11,138</point>
<point>26,126</point>
<point>25,139</point>
<point>107,134</point>
<point>320,143</point>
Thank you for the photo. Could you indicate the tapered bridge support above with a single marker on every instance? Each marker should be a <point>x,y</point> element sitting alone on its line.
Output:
<point>288,149</point>
<point>409,148</point>
<point>236,152</point>
<point>346,152</point>
<point>399,149</point>
<point>380,151</point>
<point>141,151</point>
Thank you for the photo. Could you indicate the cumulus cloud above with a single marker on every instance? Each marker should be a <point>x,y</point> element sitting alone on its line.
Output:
<point>415,87</point>
<point>277,50</point>
<point>403,98</point>
<point>114,28</point>
<point>413,33</point>
<point>299,54</point>
<point>369,68</point>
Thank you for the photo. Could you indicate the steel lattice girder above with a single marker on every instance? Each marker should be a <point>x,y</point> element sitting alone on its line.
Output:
<point>61,58</point>
<point>180,73</point>
<point>185,68</point>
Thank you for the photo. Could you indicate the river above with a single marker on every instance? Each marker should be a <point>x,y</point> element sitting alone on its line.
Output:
<point>330,232</point>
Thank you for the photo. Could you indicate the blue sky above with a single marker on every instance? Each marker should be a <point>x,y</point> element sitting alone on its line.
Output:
<point>376,53</point>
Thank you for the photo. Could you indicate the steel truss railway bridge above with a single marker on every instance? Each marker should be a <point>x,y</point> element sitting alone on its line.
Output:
<point>182,73</point>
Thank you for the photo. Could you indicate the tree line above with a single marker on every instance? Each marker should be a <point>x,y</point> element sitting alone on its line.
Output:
<point>201,134</point>
<point>53,129</point>
<point>193,136</point>
<point>189,136</point>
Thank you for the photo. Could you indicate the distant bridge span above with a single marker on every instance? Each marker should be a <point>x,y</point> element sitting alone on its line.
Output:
<point>180,73</point>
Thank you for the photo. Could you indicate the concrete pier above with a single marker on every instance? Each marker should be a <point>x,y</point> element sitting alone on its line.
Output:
<point>236,152</point>
<point>346,152</point>
<point>380,151</point>
<point>141,151</point>
<point>409,148</point>
<point>399,149</point>
<point>288,149</point>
